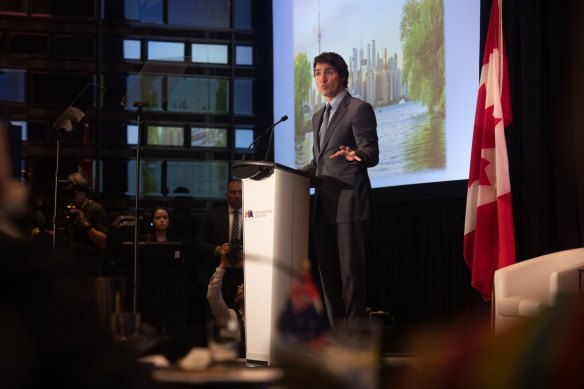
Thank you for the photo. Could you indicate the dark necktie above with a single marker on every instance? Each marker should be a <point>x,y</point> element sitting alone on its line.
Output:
<point>324,125</point>
<point>235,225</point>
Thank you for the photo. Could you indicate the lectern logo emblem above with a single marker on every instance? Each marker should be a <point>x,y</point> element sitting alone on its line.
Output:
<point>248,214</point>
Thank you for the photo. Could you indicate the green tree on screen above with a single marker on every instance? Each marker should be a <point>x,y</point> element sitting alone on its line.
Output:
<point>302,82</point>
<point>422,37</point>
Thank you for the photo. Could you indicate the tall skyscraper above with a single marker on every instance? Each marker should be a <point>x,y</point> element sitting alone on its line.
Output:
<point>373,56</point>
<point>368,56</point>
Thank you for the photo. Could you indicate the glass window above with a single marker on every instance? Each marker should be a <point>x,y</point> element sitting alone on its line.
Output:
<point>132,49</point>
<point>203,13</point>
<point>199,95</point>
<point>132,134</point>
<point>77,8</point>
<point>114,178</point>
<point>29,44</point>
<point>59,89</point>
<point>75,46</point>
<point>244,55</point>
<point>37,132</point>
<point>22,127</point>
<point>12,85</point>
<point>204,53</point>
<point>150,177</point>
<point>148,11</point>
<point>166,51</point>
<point>165,136</point>
<point>242,13</point>
<point>144,88</point>
<point>243,97</point>
<point>116,87</point>
<point>203,179</point>
<point>117,48</point>
<point>243,138</point>
<point>113,134</point>
<point>208,137</point>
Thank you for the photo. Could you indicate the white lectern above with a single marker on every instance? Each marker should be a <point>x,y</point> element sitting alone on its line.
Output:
<point>275,242</point>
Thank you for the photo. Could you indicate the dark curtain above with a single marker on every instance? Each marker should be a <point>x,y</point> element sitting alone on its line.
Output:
<point>546,61</point>
<point>416,270</point>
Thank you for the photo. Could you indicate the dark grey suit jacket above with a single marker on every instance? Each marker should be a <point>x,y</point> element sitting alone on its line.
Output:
<point>344,190</point>
<point>213,231</point>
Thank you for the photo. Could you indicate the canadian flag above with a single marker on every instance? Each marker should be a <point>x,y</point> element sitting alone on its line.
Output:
<point>489,240</point>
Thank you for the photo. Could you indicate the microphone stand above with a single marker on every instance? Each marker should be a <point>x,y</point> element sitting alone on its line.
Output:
<point>139,107</point>
<point>66,122</point>
<point>59,137</point>
<point>269,144</point>
<point>255,141</point>
<point>252,144</point>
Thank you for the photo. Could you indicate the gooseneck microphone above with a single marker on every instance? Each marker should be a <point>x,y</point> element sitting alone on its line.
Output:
<point>261,136</point>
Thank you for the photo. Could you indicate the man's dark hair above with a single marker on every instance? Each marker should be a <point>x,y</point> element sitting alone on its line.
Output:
<point>337,62</point>
<point>78,182</point>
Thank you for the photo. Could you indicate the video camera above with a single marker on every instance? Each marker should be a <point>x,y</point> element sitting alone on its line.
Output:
<point>66,196</point>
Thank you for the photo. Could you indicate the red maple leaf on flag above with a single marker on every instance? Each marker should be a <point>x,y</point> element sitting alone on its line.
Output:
<point>489,239</point>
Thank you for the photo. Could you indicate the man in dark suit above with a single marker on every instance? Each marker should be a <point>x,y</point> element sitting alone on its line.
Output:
<point>345,145</point>
<point>215,237</point>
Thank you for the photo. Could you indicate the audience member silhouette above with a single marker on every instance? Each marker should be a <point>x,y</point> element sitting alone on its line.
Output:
<point>161,226</point>
<point>86,228</point>
<point>184,222</point>
<point>51,333</point>
<point>214,240</point>
<point>221,311</point>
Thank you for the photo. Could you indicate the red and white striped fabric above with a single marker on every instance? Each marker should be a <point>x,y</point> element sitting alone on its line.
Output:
<point>489,239</point>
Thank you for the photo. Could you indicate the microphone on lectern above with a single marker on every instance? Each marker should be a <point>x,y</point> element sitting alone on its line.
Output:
<point>270,130</point>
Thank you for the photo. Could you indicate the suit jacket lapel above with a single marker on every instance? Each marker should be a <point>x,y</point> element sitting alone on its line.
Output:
<point>339,113</point>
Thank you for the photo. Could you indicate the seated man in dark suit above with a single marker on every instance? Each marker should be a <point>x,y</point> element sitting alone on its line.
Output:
<point>220,233</point>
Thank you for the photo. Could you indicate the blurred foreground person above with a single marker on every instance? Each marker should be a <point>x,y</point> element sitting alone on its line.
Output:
<point>544,352</point>
<point>221,311</point>
<point>50,330</point>
<point>14,195</point>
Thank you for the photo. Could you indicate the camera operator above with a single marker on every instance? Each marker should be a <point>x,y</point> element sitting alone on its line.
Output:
<point>220,233</point>
<point>87,221</point>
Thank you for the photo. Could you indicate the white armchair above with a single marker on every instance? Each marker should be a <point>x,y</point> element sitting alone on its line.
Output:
<point>525,289</point>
